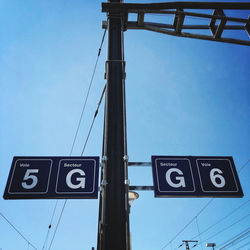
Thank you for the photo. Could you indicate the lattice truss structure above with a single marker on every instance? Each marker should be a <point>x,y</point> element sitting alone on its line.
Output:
<point>215,21</point>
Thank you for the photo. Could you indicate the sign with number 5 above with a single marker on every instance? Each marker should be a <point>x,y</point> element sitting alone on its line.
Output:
<point>53,178</point>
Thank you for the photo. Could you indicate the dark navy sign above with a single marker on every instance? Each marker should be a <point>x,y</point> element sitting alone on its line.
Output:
<point>191,176</point>
<point>53,178</point>
<point>75,173</point>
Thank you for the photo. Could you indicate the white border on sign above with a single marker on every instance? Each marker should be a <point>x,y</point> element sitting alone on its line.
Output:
<point>66,184</point>
<point>51,161</point>
<point>200,159</point>
<point>165,159</point>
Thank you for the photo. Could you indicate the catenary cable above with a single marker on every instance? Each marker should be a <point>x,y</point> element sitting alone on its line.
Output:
<point>49,227</point>
<point>224,229</point>
<point>222,219</point>
<point>57,224</point>
<point>243,166</point>
<point>86,99</point>
<point>206,205</point>
<point>241,247</point>
<point>198,229</point>
<point>234,237</point>
<point>29,243</point>
<point>96,112</point>
<point>236,240</point>
<point>78,126</point>
<point>203,208</point>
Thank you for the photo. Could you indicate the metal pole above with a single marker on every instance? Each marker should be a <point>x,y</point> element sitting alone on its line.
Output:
<point>113,230</point>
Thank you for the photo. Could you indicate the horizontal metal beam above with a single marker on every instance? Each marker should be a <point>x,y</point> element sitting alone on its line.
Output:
<point>134,25</point>
<point>176,9</point>
<point>128,7</point>
<point>143,164</point>
<point>197,36</point>
<point>141,188</point>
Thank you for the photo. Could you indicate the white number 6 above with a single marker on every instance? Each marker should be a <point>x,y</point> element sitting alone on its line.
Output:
<point>213,177</point>
<point>28,176</point>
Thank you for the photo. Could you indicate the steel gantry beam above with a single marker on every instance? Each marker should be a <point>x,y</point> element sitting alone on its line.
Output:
<point>216,22</point>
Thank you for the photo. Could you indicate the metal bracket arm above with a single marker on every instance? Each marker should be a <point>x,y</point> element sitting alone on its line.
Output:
<point>179,11</point>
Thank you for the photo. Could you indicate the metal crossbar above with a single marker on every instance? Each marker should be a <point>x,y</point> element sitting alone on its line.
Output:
<point>218,21</point>
<point>141,188</point>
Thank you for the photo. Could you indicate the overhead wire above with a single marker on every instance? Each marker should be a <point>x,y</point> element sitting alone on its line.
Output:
<point>224,229</point>
<point>78,126</point>
<point>236,240</point>
<point>198,229</point>
<point>202,209</point>
<point>49,227</point>
<point>21,234</point>
<point>58,222</point>
<point>96,112</point>
<point>235,236</point>
<point>222,219</point>
<point>86,99</point>
<point>243,166</point>
<point>247,244</point>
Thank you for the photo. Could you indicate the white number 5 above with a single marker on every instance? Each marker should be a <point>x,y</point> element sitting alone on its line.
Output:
<point>213,177</point>
<point>28,176</point>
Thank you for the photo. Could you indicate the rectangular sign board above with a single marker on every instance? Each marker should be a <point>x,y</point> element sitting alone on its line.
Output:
<point>195,176</point>
<point>53,178</point>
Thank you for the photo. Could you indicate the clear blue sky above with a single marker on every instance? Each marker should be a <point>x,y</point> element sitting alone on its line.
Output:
<point>184,97</point>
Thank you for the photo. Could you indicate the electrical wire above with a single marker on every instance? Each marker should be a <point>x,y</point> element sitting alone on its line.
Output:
<point>223,218</point>
<point>206,205</point>
<point>224,229</point>
<point>86,99</point>
<point>241,233</point>
<point>203,208</point>
<point>96,112</point>
<point>29,243</point>
<point>58,222</point>
<point>78,126</point>
<point>49,227</point>
<point>236,240</point>
<point>248,243</point>
<point>198,229</point>
<point>243,166</point>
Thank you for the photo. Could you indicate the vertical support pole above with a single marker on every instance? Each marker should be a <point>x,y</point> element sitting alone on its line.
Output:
<point>187,245</point>
<point>113,229</point>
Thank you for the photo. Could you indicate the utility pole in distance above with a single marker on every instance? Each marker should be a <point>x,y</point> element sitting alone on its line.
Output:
<point>186,242</point>
<point>113,228</point>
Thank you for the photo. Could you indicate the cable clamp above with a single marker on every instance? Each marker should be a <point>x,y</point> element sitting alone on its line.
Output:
<point>115,61</point>
<point>127,182</point>
<point>104,159</point>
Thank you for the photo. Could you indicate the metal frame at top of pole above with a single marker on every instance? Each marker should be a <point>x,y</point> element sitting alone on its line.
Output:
<point>113,229</point>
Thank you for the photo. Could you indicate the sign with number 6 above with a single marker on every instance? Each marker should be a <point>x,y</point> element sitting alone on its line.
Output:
<point>195,176</point>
